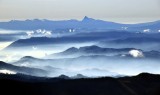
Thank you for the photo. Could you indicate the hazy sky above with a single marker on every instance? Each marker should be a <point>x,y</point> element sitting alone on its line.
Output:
<point>111,10</point>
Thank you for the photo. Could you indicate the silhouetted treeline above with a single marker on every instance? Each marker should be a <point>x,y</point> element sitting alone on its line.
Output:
<point>143,84</point>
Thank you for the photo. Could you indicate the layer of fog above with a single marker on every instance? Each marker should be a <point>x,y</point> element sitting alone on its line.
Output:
<point>94,65</point>
<point>89,66</point>
<point>9,36</point>
<point>143,46</point>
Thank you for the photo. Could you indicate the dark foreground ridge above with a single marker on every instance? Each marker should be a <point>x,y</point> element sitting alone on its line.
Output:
<point>142,84</point>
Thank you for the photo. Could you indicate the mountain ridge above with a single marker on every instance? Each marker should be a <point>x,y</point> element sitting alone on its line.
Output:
<point>22,69</point>
<point>86,23</point>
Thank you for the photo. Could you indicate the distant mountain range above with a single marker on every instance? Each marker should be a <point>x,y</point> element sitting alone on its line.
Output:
<point>102,52</point>
<point>95,61</point>
<point>136,40</point>
<point>89,51</point>
<point>86,24</point>
<point>104,38</point>
<point>50,64</point>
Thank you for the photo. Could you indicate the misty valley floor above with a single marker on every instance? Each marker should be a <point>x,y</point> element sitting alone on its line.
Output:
<point>142,84</point>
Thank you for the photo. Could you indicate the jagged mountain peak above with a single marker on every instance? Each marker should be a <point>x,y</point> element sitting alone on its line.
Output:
<point>94,47</point>
<point>86,18</point>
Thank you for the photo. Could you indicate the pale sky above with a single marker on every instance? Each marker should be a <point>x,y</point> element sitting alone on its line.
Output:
<point>125,11</point>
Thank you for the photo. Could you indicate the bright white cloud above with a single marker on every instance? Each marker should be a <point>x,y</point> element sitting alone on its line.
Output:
<point>146,30</point>
<point>39,33</point>
<point>30,33</point>
<point>4,71</point>
<point>136,53</point>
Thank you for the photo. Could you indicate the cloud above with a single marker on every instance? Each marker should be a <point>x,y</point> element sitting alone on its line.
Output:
<point>29,33</point>
<point>4,71</point>
<point>136,53</point>
<point>34,48</point>
<point>25,64</point>
<point>39,33</point>
<point>146,30</point>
